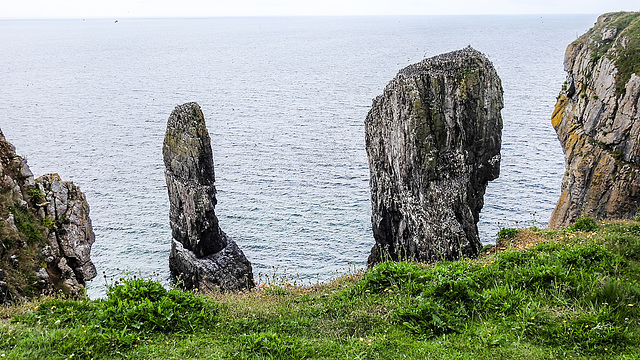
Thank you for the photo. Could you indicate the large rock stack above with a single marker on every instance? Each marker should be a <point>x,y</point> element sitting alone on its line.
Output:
<point>433,139</point>
<point>202,256</point>
<point>597,118</point>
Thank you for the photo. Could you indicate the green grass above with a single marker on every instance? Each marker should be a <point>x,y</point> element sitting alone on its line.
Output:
<point>541,294</point>
<point>627,57</point>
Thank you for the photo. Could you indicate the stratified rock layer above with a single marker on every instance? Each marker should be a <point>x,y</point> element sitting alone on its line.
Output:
<point>433,139</point>
<point>202,256</point>
<point>42,221</point>
<point>597,119</point>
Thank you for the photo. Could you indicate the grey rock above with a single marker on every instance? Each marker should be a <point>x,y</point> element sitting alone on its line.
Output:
<point>68,239</point>
<point>597,119</point>
<point>27,174</point>
<point>433,140</point>
<point>11,222</point>
<point>609,33</point>
<point>202,256</point>
<point>228,269</point>
<point>72,234</point>
<point>42,279</point>
<point>42,274</point>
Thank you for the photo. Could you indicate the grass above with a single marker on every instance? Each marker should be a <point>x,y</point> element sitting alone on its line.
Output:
<point>539,294</point>
<point>627,57</point>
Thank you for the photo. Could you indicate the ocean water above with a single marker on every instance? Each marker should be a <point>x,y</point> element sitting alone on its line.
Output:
<point>285,101</point>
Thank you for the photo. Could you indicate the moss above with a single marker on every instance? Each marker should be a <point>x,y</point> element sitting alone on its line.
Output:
<point>48,222</point>
<point>36,195</point>
<point>617,154</point>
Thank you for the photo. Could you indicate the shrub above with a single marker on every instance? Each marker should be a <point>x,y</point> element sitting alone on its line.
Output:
<point>36,195</point>
<point>585,224</point>
<point>145,305</point>
<point>508,233</point>
<point>392,274</point>
<point>429,318</point>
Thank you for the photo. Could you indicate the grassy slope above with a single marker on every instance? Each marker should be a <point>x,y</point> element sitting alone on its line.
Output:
<point>539,294</point>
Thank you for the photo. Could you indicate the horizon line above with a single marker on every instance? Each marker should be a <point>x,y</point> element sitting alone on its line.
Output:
<point>288,16</point>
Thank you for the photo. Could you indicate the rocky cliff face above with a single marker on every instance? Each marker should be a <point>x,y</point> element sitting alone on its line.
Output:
<point>433,139</point>
<point>202,256</point>
<point>45,231</point>
<point>597,118</point>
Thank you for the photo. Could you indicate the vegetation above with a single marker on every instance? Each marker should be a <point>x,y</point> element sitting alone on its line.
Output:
<point>20,248</point>
<point>569,293</point>
<point>627,56</point>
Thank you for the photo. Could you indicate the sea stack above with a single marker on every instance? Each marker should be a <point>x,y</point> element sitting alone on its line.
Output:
<point>202,256</point>
<point>433,139</point>
<point>597,119</point>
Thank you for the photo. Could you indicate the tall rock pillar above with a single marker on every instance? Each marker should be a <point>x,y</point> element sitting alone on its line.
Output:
<point>202,256</point>
<point>433,139</point>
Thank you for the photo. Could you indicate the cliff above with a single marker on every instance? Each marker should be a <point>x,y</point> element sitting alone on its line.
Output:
<point>433,139</point>
<point>597,119</point>
<point>45,232</point>
<point>202,255</point>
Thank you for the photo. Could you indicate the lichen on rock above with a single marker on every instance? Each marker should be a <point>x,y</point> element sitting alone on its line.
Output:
<point>433,140</point>
<point>597,119</point>
<point>202,255</point>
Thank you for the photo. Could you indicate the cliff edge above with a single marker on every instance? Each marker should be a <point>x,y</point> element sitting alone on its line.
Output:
<point>597,119</point>
<point>45,232</point>
<point>433,140</point>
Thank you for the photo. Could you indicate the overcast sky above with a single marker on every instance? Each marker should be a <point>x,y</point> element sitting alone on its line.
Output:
<point>37,9</point>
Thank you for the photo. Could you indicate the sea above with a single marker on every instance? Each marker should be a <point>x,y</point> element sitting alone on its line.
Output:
<point>285,100</point>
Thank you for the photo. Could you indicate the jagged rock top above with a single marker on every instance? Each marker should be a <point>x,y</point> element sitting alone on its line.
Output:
<point>433,139</point>
<point>442,64</point>
<point>187,145</point>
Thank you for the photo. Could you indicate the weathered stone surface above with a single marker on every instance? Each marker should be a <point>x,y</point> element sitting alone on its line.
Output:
<point>70,233</point>
<point>202,256</point>
<point>433,139</point>
<point>46,217</point>
<point>597,119</point>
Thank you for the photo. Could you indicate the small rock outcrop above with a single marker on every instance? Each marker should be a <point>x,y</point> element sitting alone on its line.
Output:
<point>433,139</point>
<point>45,232</point>
<point>202,256</point>
<point>70,233</point>
<point>597,119</point>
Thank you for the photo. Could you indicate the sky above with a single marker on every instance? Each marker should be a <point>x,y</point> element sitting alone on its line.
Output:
<point>44,9</point>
